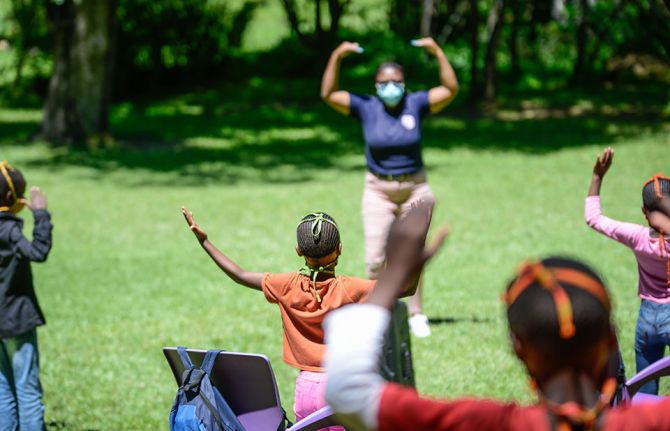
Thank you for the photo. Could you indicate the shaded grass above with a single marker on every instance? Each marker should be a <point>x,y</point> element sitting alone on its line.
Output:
<point>126,277</point>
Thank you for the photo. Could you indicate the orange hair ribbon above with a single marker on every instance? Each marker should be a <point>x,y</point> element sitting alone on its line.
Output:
<point>548,279</point>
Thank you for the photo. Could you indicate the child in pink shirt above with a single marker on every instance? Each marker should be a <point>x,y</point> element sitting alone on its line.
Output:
<point>651,247</point>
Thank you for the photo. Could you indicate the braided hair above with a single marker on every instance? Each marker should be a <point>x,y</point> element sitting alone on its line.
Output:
<point>317,235</point>
<point>18,182</point>
<point>653,189</point>
<point>561,307</point>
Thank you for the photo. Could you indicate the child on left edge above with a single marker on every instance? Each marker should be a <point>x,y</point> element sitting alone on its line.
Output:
<point>304,299</point>
<point>21,406</point>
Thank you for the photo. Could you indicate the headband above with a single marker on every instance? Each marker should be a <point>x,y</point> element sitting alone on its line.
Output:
<point>657,186</point>
<point>550,279</point>
<point>317,220</point>
<point>5,168</point>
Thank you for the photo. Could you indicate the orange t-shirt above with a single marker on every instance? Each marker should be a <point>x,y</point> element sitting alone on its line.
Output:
<point>302,315</point>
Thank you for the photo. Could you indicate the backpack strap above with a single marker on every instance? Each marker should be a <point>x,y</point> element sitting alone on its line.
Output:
<point>185,360</point>
<point>208,361</point>
<point>285,423</point>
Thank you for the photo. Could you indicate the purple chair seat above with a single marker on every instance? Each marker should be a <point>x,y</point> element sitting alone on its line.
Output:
<point>630,389</point>
<point>248,384</point>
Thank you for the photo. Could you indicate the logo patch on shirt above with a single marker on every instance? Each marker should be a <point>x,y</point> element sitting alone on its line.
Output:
<point>408,121</point>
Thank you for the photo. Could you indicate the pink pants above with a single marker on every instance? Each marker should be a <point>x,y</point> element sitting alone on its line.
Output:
<point>310,388</point>
<point>383,202</point>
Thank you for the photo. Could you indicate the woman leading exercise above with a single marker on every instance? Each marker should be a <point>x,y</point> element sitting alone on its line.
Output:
<point>391,121</point>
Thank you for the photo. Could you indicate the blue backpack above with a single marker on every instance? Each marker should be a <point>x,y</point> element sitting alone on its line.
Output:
<point>198,405</point>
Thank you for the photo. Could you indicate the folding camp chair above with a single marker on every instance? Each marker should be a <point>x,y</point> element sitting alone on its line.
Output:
<point>248,384</point>
<point>629,390</point>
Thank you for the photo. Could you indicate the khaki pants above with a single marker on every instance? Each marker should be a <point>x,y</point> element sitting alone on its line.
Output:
<point>383,202</point>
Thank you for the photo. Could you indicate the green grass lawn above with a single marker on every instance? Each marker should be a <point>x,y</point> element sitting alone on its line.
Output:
<point>126,277</point>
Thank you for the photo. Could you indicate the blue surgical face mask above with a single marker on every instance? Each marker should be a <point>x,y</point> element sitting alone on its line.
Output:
<point>390,92</point>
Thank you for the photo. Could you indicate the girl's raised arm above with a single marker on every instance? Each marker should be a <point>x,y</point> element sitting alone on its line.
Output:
<point>603,163</point>
<point>442,95</point>
<point>253,280</point>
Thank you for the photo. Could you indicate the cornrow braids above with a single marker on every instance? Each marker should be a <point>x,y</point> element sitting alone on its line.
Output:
<point>318,235</point>
<point>560,306</point>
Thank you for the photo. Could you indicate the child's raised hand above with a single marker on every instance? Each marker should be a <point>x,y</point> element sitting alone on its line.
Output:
<point>603,162</point>
<point>38,200</point>
<point>406,253</point>
<point>200,234</point>
<point>406,241</point>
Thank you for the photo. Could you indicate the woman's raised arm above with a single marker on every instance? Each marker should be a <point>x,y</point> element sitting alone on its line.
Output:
<point>439,97</point>
<point>338,99</point>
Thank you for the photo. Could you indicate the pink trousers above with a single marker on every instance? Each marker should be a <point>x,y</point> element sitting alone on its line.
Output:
<point>383,202</point>
<point>310,388</point>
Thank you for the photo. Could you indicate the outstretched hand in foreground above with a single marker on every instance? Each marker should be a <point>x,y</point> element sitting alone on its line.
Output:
<point>406,254</point>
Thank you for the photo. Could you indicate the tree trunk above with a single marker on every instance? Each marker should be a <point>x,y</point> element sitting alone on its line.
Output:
<point>514,38</point>
<point>336,9</point>
<point>473,30</point>
<point>292,16</point>
<point>317,18</point>
<point>581,40</point>
<point>23,13</point>
<point>79,91</point>
<point>494,24</point>
<point>427,11</point>
<point>59,121</point>
<point>448,18</point>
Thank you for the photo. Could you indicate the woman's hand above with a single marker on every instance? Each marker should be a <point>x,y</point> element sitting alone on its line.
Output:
<point>603,162</point>
<point>346,48</point>
<point>200,234</point>
<point>427,43</point>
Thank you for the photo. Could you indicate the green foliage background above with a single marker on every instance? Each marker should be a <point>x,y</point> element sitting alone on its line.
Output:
<point>126,277</point>
<point>248,146</point>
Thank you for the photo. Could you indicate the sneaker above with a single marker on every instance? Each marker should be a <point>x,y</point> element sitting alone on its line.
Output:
<point>418,324</point>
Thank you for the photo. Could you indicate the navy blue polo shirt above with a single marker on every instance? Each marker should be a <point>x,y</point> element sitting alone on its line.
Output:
<point>392,139</point>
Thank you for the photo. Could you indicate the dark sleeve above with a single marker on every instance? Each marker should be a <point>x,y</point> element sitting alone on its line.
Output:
<point>39,248</point>
<point>356,101</point>
<point>420,98</point>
